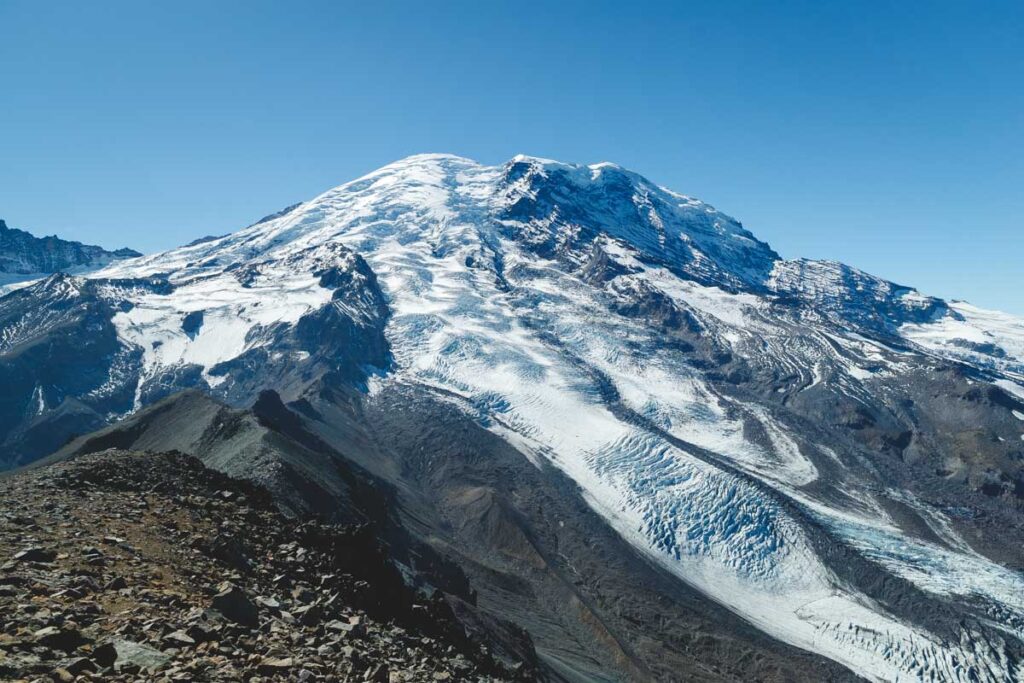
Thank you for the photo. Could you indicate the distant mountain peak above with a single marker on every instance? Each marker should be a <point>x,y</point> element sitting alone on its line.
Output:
<point>24,256</point>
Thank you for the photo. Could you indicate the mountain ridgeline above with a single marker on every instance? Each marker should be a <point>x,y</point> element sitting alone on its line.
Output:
<point>581,403</point>
<point>23,254</point>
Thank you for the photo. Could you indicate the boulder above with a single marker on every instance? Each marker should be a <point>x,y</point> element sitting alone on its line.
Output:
<point>235,605</point>
<point>131,654</point>
<point>36,555</point>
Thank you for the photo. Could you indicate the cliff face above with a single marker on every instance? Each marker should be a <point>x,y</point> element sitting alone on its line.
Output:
<point>21,253</point>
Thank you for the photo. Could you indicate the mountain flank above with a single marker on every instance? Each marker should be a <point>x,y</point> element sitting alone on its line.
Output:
<point>458,509</point>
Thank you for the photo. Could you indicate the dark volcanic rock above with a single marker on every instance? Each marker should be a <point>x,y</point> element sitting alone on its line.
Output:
<point>35,555</point>
<point>234,604</point>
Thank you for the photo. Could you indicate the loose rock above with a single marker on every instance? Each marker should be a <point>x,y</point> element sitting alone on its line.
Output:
<point>134,571</point>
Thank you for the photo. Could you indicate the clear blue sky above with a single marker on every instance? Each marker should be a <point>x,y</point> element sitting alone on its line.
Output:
<point>886,135</point>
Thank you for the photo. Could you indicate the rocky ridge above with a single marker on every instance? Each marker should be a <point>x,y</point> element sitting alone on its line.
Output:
<point>129,566</point>
<point>22,253</point>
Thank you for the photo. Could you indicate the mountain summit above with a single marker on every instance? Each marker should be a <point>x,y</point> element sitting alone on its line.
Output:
<point>810,458</point>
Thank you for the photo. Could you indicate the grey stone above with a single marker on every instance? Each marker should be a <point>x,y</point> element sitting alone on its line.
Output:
<point>132,654</point>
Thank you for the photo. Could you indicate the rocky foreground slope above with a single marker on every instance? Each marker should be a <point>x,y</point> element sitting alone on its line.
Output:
<point>128,566</point>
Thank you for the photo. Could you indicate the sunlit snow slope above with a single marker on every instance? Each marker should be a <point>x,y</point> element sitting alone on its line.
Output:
<point>733,415</point>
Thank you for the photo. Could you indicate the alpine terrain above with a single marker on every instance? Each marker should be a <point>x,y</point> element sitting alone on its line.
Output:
<point>24,257</point>
<point>582,403</point>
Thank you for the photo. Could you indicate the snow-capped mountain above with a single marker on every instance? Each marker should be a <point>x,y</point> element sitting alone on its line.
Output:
<point>24,257</point>
<point>834,458</point>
